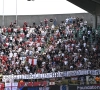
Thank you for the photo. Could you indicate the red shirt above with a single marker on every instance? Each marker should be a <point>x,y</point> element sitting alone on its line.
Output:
<point>9,29</point>
<point>24,28</point>
<point>39,39</point>
<point>2,86</point>
<point>4,58</point>
<point>5,45</point>
<point>21,84</point>
<point>30,84</point>
<point>4,29</point>
<point>22,35</point>
<point>39,71</point>
<point>25,23</point>
<point>3,62</point>
<point>51,38</point>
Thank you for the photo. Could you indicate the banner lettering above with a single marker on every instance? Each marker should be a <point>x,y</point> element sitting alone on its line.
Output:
<point>52,75</point>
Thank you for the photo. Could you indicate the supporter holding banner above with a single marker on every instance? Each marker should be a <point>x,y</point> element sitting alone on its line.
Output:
<point>51,83</point>
<point>97,79</point>
<point>30,84</point>
<point>82,79</point>
<point>74,80</point>
<point>90,80</point>
<point>21,84</point>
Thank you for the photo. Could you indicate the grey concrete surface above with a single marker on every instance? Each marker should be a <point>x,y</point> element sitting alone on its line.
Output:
<point>37,18</point>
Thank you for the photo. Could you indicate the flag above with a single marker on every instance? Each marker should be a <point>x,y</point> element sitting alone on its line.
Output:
<point>33,61</point>
<point>11,86</point>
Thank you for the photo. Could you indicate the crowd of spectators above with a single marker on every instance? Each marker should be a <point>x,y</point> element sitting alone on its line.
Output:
<point>48,48</point>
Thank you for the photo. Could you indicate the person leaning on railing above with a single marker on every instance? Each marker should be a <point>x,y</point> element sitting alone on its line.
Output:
<point>97,78</point>
<point>21,83</point>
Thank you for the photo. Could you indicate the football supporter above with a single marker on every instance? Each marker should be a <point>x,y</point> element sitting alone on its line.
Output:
<point>73,45</point>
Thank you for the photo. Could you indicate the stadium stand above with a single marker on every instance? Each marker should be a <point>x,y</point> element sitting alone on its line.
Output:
<point>71,45</point>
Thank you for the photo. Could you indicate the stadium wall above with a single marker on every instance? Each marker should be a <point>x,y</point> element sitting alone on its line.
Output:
<point>37,18</point>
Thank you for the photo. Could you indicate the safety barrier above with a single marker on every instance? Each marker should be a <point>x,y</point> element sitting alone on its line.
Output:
<point>14,86</point>
<point>54,87</point>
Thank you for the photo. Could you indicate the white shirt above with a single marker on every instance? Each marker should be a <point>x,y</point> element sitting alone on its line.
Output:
<point>17,62</point>
<point>83,37</point>
<point>53,69</point>
<point>7,44</point>
<point>27,35</point>
<point>48,56</point>
<point>30,52</point>
<point>10,38</point>
<point>20,49</point>
<point>20,39</point>
<point>27,69</point>
<point>71,67</point>
<point>84,44</point>
<point>85,22</point>
<point>26,51</point>
<point>65,62</point>
<point>10,54</point>
<point>43,63</point>
<point>81,24</point>
<point>85,59</point>
<point>17,71</point>
<point>31,43</point>
<point>15,54</point>
<point>89,32</point>
<point>39,48</point>
<point>67,21</point>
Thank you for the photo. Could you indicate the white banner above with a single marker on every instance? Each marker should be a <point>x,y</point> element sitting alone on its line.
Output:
<point>81,72</point>
<point>33,76</point>
<point>52,75</point>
